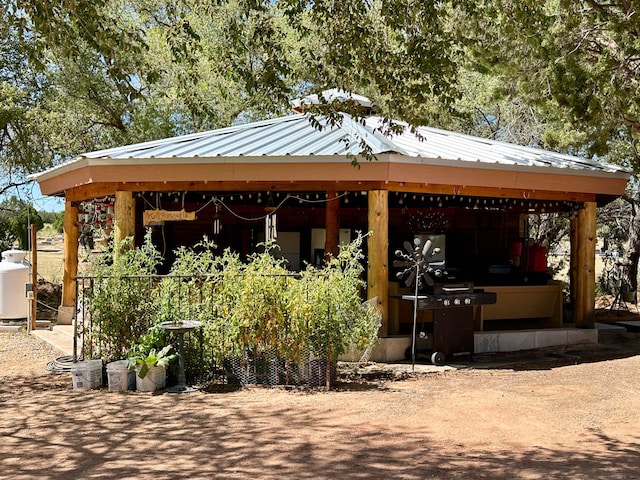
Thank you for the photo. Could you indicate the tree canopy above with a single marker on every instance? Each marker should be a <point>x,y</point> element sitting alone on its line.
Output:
<point>79,75</point>
<point>575,62</point>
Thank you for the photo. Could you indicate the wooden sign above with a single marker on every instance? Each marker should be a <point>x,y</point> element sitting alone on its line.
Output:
<point>157,217</point>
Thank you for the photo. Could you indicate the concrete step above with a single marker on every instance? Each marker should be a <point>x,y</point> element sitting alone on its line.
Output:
<point>11,327</point>
<point>515,340</point>
<point>59,336</point>
<point>44,324</point>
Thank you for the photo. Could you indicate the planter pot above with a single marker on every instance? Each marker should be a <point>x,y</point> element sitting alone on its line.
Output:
<point>263,370</point>
<point>274,369</point>
<point>87,374</point>
<point>155,379</point>
<point>120,378</point>
<point>627,295</point>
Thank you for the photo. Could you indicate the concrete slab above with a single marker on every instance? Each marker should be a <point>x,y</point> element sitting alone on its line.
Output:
<point>550,338</point>
<point>610,328</point>
<point>514,341</point>
<point>59,337</point>
<point>582,336</point>
<point>485,342</point>
<point>10,328</point>
<point>630,325</point>
<point>391,349</point>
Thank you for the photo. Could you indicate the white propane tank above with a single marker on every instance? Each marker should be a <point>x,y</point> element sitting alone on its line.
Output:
<point>14,275</point>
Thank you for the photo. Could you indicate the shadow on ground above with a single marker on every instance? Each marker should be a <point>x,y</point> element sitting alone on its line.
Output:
<point>95,434</point>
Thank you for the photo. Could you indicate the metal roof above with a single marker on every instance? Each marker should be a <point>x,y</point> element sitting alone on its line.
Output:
<point>295,136</point>
<point>443,144</point>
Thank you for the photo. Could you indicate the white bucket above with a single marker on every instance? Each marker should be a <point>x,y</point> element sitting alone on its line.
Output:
<point>155,379</point>
<point>87,374</point>
<point>120,378</point>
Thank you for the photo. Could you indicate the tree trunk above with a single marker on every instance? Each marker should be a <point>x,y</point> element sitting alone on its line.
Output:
<point>632,250</point>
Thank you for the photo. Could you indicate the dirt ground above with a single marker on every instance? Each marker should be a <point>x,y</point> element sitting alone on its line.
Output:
<point>537,415</point>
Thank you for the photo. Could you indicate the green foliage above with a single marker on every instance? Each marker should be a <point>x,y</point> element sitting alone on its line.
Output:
<point>15,217</point>
<point>58,223</point>
<point>326,308</point>
<point>150,350</point>
<point>573,63</point>
<point>119,302</point>
<point>249,309</point>
<point>613,225</point>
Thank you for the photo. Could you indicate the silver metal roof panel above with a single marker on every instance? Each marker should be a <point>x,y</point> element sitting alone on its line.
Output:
<point>296,136</point>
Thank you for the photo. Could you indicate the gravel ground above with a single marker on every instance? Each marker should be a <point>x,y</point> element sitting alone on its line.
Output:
<point>22,354</point>
<point>540,415</point>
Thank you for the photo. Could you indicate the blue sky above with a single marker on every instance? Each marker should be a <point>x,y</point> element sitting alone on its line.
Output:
<point>31,193</point>
<point>47,204</point>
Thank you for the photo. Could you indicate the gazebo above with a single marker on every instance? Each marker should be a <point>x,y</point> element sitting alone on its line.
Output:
<point>295,177</point>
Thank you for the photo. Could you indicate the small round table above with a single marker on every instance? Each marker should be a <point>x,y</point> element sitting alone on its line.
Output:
<point>180,327</point>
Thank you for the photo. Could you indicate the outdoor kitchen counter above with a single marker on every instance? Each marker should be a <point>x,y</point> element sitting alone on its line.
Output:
<point>541,302</point>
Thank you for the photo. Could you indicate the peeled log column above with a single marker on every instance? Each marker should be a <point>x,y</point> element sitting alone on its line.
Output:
<point>378,255</point>
<point>585,262</point>
<point>125,216</point>
<point>70,263</point>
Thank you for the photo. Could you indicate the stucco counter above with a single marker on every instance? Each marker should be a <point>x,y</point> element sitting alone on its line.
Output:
<point>540,302</point>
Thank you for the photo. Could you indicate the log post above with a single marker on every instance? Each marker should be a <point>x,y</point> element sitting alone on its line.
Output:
<point>66,310</point>
<point>125,217</point>
<point>573,264</point>
<point>585,288</point>
<point>332,225</point>
<point>378,253</point>
<point>34,277</point>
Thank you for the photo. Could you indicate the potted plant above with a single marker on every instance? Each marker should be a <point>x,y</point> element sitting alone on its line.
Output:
<point>259,319</point>
<point>150,361</point>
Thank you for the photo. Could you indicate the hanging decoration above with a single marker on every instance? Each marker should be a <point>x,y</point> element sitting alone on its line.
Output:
<point>270,227</point>
<point>217,221</point>
<point>96,214</point>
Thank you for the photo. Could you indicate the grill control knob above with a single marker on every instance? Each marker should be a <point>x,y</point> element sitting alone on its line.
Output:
<point>446,302</point>
<point>456,301</point>
<point>467,301</point>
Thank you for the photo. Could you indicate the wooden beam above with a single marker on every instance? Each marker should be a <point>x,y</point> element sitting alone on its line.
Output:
<point>585,278</point>
<point>332,225</point>
<point>378,253</point>
<point>70,260</point>
<point>96,190</point>
<point>125,216</point>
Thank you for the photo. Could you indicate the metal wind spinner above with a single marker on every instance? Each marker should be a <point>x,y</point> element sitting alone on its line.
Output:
<point>415,262</point>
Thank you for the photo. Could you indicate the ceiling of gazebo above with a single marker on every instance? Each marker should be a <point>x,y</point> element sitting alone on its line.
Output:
<point>291,153</point>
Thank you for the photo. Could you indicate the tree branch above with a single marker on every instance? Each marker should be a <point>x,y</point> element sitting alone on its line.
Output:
<point>5,188</point>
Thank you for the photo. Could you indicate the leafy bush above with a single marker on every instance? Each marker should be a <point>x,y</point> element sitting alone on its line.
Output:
<point>119,303</point>
<point>254,309</point>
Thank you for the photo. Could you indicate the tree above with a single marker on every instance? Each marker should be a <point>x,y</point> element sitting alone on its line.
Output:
<point>575,63</point>
<point>80,75</point>
<point>16,216</point>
